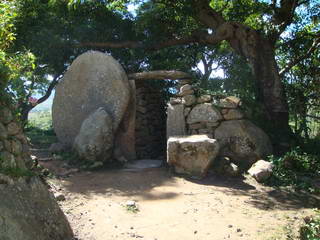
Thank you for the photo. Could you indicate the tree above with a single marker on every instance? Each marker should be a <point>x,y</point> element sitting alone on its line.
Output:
<point>252,29</point>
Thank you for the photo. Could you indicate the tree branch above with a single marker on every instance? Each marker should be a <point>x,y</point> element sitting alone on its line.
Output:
<point>52,85</point>
<point>315,45</point>
<point>160,75</point>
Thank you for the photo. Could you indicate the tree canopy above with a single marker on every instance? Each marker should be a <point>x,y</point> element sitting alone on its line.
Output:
<point>263,46</point>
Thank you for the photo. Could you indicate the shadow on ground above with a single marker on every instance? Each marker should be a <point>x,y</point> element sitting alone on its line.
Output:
<point>260,196</point>
<point>143,182</point>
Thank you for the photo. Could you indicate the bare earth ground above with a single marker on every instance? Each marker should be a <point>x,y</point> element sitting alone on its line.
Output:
<point>174,208</point>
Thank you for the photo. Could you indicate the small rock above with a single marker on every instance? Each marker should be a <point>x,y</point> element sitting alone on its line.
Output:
<point>230,102</point>
<point>189,100</point>
<point>60,197</point>
<point>204,99</point>
<point>261,170</point>
<point>130,203</point>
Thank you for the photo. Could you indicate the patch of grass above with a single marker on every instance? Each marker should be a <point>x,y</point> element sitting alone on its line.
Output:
<point>311,229</point>
<point>16,172</point>
<point>39,128</point>
<point>41,120</point>
<point>132,209</point>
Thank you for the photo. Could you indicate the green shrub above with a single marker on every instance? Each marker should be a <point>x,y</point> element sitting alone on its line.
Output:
<point>296,168</point>
<point>311,229</point>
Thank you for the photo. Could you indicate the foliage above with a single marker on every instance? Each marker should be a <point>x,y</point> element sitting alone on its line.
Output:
<point>16,172</point>
<point>311,229</point>
<point>39,129</point>
<point>297,168</point>
<point>15,67</point>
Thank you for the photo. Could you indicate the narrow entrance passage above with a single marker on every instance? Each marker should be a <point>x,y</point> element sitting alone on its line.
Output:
<point>150,122</point>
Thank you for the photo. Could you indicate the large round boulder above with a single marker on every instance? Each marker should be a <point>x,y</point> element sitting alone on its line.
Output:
<point>93,80</point>
<point>242,141</point>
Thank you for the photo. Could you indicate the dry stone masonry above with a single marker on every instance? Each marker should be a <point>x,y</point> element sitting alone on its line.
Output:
<point>150,122</point>
<point>27,210</point>
<point>222,119</point>
<point>14,148</point>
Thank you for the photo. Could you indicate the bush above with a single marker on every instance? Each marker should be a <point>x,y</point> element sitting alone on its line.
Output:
<point>311,229</point>
<point>296,168</point>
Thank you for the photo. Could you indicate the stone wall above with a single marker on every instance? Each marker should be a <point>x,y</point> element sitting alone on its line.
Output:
<point>150,122</point>
<point>218,118</point>
<point>13,144</point>
<point>28,211</point>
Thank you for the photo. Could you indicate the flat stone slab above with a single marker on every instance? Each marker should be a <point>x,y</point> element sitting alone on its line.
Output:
<point>143,164</point>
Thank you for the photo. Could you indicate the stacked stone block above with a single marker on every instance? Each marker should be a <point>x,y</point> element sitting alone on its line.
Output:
<point>218,118</point>
<point>203,114</point>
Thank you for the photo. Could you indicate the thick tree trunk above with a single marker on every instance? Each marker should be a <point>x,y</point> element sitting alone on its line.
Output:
<point>271,91</point>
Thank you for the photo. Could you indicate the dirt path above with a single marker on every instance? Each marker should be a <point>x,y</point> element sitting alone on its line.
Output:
<point>173,208</point>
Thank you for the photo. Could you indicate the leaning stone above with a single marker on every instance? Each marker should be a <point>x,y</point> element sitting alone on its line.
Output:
<point>13,128</point>
<point>3,132</point>
<point>95,139</point>
<point>204,99</point>
<point>261,170</point>
<point>192,155</point>
<point>93,80</point>
<point>242,141</point>
<point>204,112</point>
<point>233,114</point>
<point>176,125</point>
<point>5,115</point>
<point>230,102</point>
<point>189,100</point>
<point>125,136</point>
